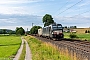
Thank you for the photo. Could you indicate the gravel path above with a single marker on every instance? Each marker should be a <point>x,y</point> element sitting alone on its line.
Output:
<point>28,52</point>
<point>19,51</point>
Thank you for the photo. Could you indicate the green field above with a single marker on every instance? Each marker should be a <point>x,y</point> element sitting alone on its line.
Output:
<point>44,51</point>
<point>82,36</point>
<point>9,46</point>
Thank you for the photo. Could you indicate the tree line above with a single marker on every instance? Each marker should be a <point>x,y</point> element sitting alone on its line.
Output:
<point>47,20</point>
<point>6,31</point>
<point>18,31</point>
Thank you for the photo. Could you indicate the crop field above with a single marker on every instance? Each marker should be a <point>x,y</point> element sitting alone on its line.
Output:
<point>44,51</point>
<point>81,36</point>
<point>81,30</point>
<point>9,46</point>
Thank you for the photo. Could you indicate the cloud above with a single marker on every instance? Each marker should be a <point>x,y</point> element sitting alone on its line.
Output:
<point>26,12</point>
<point>10,20</point>
<point>20,7</point>
<point>12,10</point>
<point>14,27</point>
<point>79,21</point>
<point>18,1</point>
<point>15,19</point>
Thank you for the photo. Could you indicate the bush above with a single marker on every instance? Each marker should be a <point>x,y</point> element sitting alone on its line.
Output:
<point>73,35</point>
<point>86,31</point>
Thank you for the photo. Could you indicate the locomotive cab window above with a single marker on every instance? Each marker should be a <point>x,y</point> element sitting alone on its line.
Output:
<point>59,27</point>
<point>54,27</point>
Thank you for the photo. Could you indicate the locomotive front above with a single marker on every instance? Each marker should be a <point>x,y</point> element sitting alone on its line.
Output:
<point>57,31</point>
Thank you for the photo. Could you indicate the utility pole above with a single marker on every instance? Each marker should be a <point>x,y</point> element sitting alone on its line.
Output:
<point>27,29</point>
<point>32,24</point>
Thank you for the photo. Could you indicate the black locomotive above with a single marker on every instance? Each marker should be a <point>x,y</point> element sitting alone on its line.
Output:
<point>54,31</point>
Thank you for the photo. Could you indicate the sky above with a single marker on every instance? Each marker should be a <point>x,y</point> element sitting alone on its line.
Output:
<point>22,13</point>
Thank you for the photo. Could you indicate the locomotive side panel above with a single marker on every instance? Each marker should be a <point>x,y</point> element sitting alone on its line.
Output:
<point>46,32</point>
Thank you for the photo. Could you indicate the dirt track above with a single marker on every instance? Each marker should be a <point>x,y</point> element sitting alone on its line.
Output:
<point>28,52</point>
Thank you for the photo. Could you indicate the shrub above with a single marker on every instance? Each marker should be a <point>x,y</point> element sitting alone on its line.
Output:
<point>86,31</point>
<point>72,35</point>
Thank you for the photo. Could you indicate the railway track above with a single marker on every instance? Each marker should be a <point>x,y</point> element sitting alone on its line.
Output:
<point>82,45</point>
<point>81,48</point>
<point>85,46</point>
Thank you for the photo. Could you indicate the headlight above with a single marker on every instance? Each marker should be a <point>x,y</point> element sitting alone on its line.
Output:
<point>54,32</point>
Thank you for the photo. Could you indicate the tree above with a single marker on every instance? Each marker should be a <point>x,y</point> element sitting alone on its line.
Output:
<point>74,27</point>
<point>34,29</point>
<point>4,31</point>
<point>65,27</point>
<point>10,32</point>
<point>20,31</point>
<point>86,31</point>
<point>89,31</point>
<point>47,20</point>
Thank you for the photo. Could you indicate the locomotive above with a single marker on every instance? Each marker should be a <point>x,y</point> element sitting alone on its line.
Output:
<point>54,31</point>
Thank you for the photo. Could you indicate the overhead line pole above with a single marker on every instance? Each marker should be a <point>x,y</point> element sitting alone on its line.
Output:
<point>32,24</point>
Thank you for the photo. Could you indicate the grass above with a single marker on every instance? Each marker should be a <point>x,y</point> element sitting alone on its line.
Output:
<point>9,46</point>
<point>66,35</point>
<point>22,56</point>
<point>44,51</point>
<point>82,36</point>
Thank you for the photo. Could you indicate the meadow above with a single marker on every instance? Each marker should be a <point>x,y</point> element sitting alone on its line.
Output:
<point>82,36</point>
<point>9,46</point>
<point>44,51</point>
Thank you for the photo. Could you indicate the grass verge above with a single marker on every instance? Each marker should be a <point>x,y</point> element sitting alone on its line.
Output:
<point>22,56</point>
<point>9,46</point>
<point>83,36</point>
<point>44,51</point>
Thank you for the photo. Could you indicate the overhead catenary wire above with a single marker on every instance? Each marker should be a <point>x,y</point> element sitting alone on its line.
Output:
<point>84,12</point>
<point>70,7</point>
<point>81,13</point>
<point>77,15</point>
<point>62,6</point>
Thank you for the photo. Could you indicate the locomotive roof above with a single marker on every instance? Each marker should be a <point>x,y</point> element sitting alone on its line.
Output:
<point>55,24</point>
<point>52,25</point>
